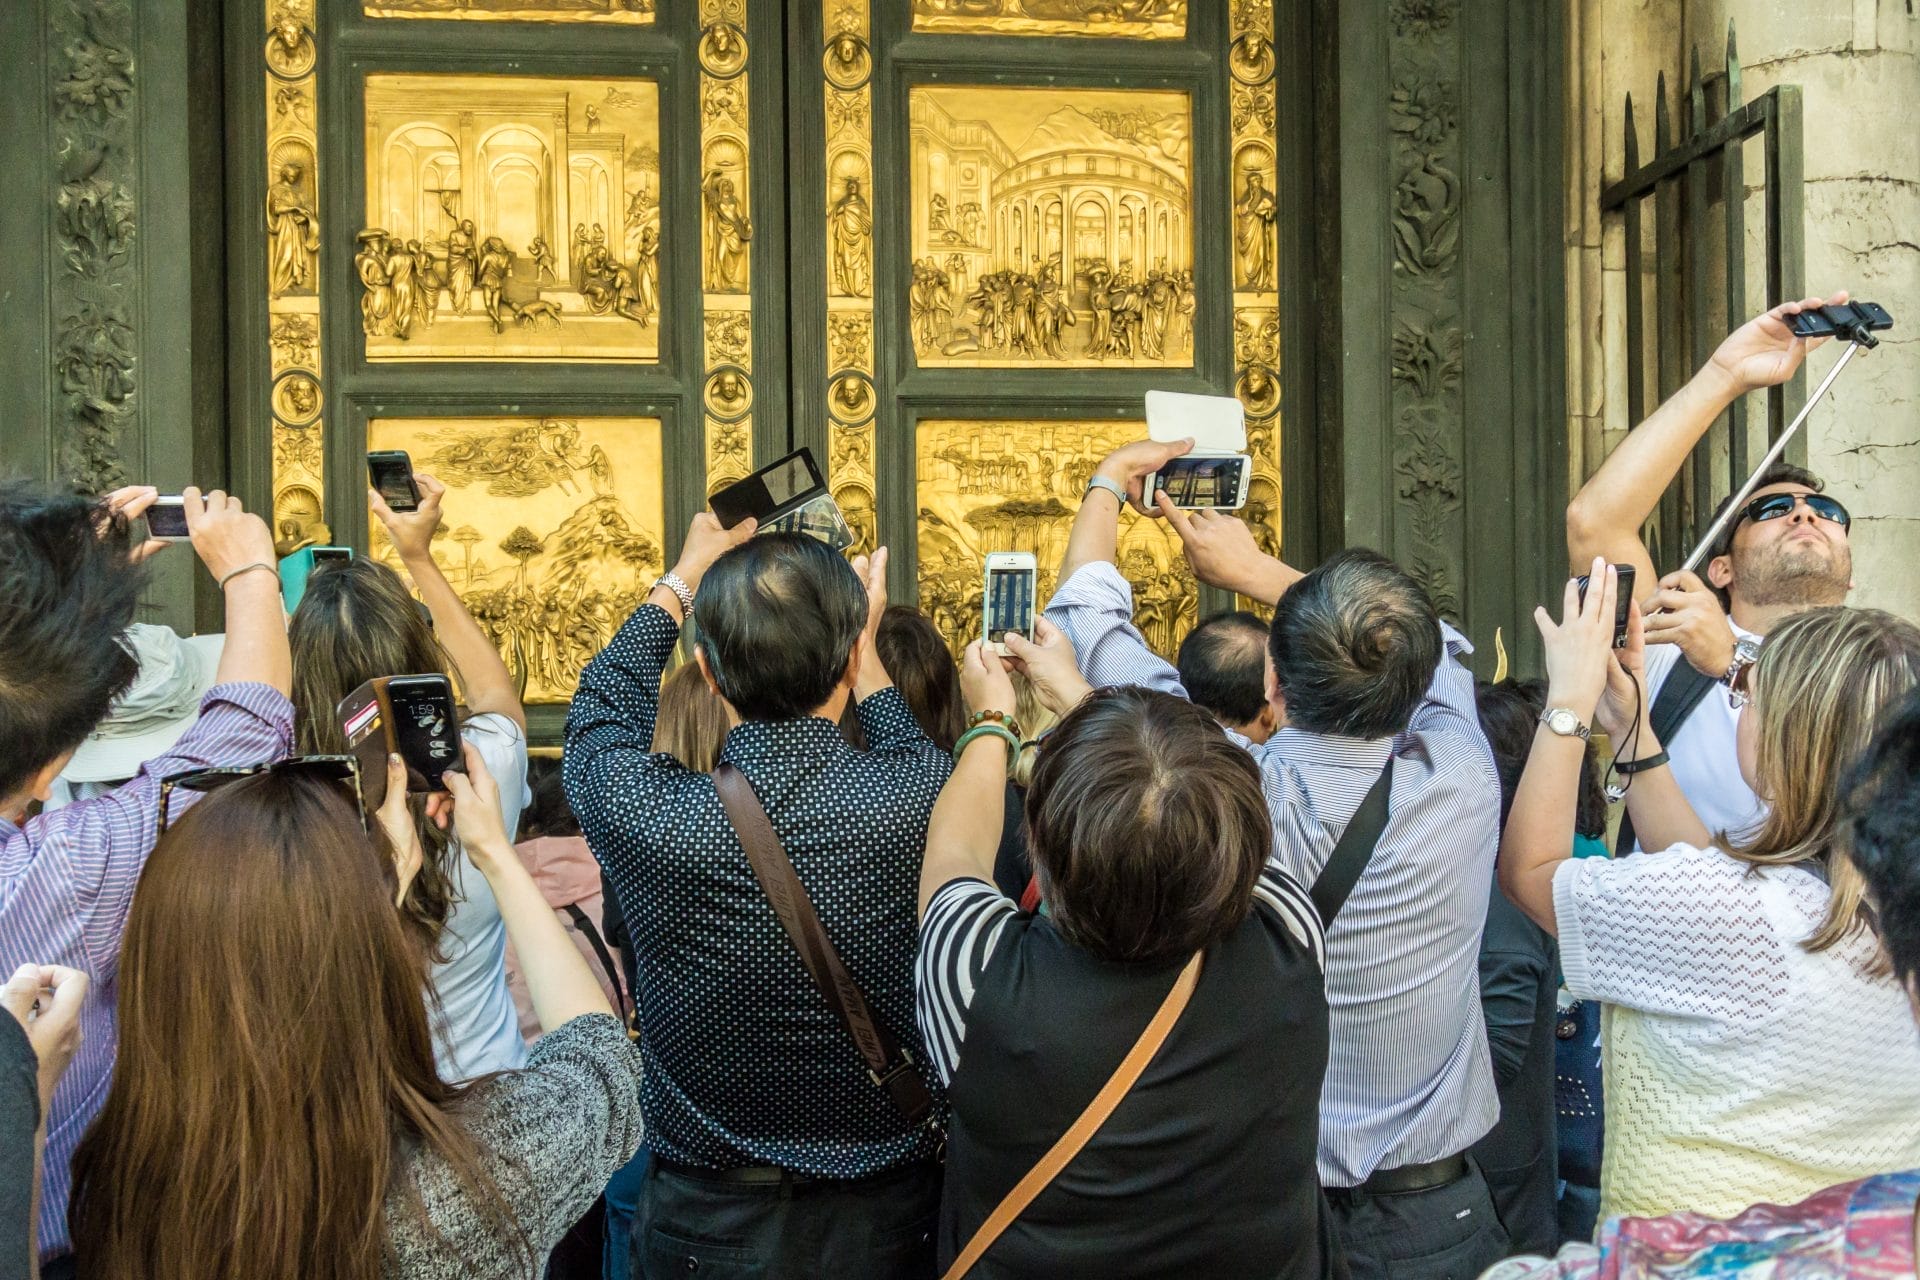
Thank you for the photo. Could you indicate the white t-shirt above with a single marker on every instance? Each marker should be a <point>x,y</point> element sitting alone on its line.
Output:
<point>1706,759</point>
<point>1741,1068</point>
<point>476,1028</point>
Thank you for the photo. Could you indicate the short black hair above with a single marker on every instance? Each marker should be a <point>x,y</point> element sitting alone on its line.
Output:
<point>1354,646</point>
<point>779,616</point>
<point>1223,664</point>
<point>1510,716</point>
<point>67,596</point>
<point>1880,833</point>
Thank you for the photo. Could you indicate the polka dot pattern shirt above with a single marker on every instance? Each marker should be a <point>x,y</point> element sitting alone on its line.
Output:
<point>744,1062</point>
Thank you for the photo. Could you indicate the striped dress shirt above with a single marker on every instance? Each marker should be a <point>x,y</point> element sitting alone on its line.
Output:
<point>1409,1078</point>
<point>67,880</point>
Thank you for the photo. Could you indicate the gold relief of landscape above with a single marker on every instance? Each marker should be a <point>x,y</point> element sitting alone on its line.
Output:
<point>1132,19</point>
<point>628,11</point>
<point>552,532</point>
<point>964,471</point>
<point>511,218</point>
<point>1051,228</point>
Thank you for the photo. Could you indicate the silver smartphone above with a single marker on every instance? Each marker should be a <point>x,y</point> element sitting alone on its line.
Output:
<point>1007,604</point>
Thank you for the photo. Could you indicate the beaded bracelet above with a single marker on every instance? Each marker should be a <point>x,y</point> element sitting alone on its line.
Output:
<point>991,729</point>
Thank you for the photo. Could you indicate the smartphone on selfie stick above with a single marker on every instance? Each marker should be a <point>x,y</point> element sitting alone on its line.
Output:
<point>1622,603</point>
<point>1007,603</point>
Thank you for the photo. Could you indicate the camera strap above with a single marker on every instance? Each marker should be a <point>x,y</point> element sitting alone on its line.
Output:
<point>1354,849</point>
<point>889,1065</point>
<point>1679,694</point>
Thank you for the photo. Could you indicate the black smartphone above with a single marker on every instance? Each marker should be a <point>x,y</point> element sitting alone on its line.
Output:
<point>1873,315</point>
<point>1811,324</point>
<point>167,519</point>
<point>770,492</point>
<point>391,473</point>
<point>425,730</point>
<point>1622,604</point>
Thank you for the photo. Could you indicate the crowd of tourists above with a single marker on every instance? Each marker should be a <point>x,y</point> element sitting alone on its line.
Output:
<point>1297,952</point>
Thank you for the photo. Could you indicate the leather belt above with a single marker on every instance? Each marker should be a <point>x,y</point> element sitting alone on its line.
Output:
<point>1405,1180</point>
<point>774,1176</point>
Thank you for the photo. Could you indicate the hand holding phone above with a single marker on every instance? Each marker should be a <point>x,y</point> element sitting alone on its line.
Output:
<point>1007,603</point>
<point>1622,604</point>
<point>391,473</point>
<point>1202,482</point>
<point>412,716</point>
<point>167,519</point>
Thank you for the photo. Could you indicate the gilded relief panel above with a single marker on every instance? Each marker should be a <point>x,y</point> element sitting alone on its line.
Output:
<point>1051,227</point>
<point>1256,288</point>
<point>1127,19</point>
<point>511,218</point>
<point>553,530</point>
<point>964,472</point>
<point>852,403</point>
<point>726,241</point>
<point>628,11</point>
<point>293,276</point>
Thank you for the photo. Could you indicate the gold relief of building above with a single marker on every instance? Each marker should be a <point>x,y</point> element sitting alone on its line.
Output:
<point>1051,227</point>
<point>627,11</point>
<point>1131,19</point>
<point>511,218</point>
<point>984,486</point>
<point>552,533</point>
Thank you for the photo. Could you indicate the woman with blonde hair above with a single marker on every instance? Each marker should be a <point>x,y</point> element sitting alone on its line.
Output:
<point>1755,1049</point>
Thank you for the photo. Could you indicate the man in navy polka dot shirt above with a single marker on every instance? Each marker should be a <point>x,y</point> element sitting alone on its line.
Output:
<point>772,1146</point>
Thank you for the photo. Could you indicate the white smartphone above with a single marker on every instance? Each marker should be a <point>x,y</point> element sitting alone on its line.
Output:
<point>1197,482</point>
<point>167,519</point>
<point>1008,600</point>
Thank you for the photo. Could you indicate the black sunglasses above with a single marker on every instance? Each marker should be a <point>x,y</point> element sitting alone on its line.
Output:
<point>1775,505</point>
<point>344,770</point>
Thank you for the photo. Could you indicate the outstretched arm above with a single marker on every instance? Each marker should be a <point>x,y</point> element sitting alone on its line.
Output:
<point>1096,530</point>
<point>1605,517</point>
<point>964,833</point>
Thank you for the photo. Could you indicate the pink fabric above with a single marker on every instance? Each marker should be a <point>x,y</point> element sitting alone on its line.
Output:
<point>564,869</point>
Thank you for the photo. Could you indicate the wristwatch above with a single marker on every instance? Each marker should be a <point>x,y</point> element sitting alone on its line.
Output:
<point>1746,652</point>
<point>1101,482</point>
<point>676,584</point>
<point>1565,723</point>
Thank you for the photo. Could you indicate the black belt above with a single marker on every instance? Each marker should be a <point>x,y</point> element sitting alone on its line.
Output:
<point>1405,1180</point>
<point>773,1176</point>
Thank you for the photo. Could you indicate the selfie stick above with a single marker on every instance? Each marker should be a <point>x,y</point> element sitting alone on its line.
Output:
<point>1732,510</point>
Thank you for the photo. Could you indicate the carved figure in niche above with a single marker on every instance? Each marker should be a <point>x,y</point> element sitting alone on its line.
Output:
<point>297,520</point>
<point>728,392</point>
<point>593,117</point>
<point>496,261</point>
<point>400,266</point>
<point>1183,309</point>
<point>847,63</point>
<point>461,265</point>
<point>970,219</point>
<point>728,234</point>
<point>293,233</point>
<point>1158,308</point>
<point>930,301</point>
<point>851,224</point>
<point>579,254</point>
<point>937,217</point>
<point>303,399</point>
<point>542,255</point>
<point>376,303</point>
<point>429,280</point>
<point>1253,218</point>
<point>597,238</point>
<point>290,52</point>
<point>723,51</point>
<point>1426,217</point>
<point>646,277</point>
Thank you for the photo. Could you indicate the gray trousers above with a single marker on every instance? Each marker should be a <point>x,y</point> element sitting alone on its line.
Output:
<point>1445,1233</point>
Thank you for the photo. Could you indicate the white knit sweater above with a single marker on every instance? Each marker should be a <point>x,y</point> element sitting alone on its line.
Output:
<point>1740,1068</point>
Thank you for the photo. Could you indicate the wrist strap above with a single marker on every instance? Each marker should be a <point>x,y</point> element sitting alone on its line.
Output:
<point>1101,482</point>
<point>990,729</point>
<point>245,568</point>
<point>1631,767</point>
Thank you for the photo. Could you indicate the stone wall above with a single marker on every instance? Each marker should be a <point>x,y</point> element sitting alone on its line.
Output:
<point>1858,65</point>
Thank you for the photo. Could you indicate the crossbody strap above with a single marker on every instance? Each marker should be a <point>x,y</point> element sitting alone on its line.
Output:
<point>1353,850</point>
<point>1679,694</point>
<point>1103,1105</point>
<point>888,1062</point>
<point>603,955</point>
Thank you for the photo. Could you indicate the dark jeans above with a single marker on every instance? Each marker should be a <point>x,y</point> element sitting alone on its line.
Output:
<point>879,1228</point>
<point>1446,1233</point>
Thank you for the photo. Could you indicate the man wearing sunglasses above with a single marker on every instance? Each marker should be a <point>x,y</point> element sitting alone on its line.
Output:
<point>1786,551</point>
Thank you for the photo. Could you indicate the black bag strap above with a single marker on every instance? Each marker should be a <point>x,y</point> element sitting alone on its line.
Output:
<point>604,956</point>
<point>1353,850</point>
<point>1679,694</point>
<point>888,1062</point>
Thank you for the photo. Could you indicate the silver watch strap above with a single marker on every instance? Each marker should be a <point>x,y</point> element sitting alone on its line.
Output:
<point>674,583</point>
<point>1101,482</point>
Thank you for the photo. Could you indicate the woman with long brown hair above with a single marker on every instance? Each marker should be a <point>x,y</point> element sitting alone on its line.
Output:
<point>276,1107</point>
<point>1755,1049</point>
<point>358,621</point>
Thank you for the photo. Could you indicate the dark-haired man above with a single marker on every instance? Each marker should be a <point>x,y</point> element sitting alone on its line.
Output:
<point>773,1146</point>
<point>1364,675</point>
<point>1223,667</point>
<point>68,586</point>
<point>1786,551</point>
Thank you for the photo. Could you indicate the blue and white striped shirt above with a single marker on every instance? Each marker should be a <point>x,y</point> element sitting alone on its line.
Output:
<point>1409,1078</point>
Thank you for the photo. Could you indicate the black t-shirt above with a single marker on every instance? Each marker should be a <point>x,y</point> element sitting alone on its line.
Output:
<point>1207,1167</point>
<point>19,1117</point>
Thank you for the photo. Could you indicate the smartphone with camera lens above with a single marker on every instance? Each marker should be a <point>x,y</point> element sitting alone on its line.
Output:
<point>1007,604</point>
<point>391,473</point>
<point>1203,482</point>
<point>1622,603</point>
<point>167,519</point>
<point>412,716</point>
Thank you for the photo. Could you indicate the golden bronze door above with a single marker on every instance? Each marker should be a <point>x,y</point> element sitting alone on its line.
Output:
<point>587,260</point>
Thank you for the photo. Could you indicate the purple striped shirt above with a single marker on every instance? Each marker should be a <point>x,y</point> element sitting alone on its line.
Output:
<point>66,881</point>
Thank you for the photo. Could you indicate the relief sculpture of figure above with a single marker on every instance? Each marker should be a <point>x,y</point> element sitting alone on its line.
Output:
<point>646,277</point>
<point>728,233</point>
<point>1253,217</point>
<point>851,222</point>
<point>430,279</point>
<point>293,235</point>
<point>400,270</point>
<point>460,265</point>
<point>542,259</point>
<point>376,304</point>
<point>1184,308</point>
<point>496,260</point>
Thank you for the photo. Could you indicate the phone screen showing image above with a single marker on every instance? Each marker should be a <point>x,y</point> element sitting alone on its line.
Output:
<point>1202,482</point>
<point>424,727</point>
<point>392,475</point>
<point>1009,604</point>
<point>167,519</point>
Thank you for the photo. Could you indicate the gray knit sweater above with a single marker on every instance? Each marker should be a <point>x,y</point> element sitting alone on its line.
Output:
<point>551,1133</point>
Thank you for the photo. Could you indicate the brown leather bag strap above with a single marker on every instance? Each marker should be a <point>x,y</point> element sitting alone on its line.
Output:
<point>888,1062</point>
<point>1103,1105</point>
